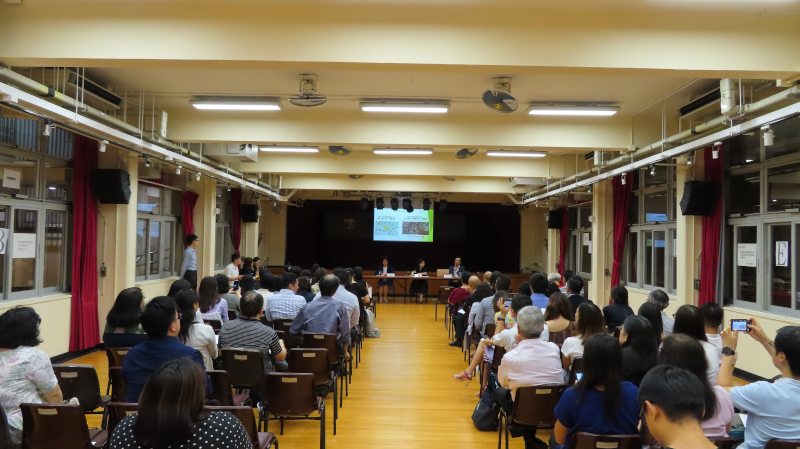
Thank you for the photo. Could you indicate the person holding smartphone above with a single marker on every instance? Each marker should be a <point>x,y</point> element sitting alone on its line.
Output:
<point>773,407</point>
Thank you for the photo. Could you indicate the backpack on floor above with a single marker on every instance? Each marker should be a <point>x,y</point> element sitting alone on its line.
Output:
<point>486,415</point>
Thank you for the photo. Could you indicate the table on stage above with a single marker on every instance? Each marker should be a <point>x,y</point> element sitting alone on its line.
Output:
<point>406,280</point>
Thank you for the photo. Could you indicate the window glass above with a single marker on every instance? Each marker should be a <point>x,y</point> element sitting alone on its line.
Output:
<point>149,199</point>
<point>746,275</point>
<point>744,194</point>
<point>167,256</point>
<point>784,187</point>
<point>781,265</point>
<point>633,259</point>
<point>59,144</point>
<point>586,256</point>
<point>219,204</point>
<point>228,245</point>
<point>659,257</point>
<point>674,204</point>
<point>155,245</point>
<point>743,149</point>
<point>786,138</point>
<point>585,213</point>
<point>23,267</point>
<point>660,176</point>
<point>633,210</point>
<point>648,257</point>
<point>3,225</point>
<point>20,133</point>
<point>55,232</point>
<point>655,207</point>
<point>172,202</point>
<point>58,181</point>
<point>673,241</point>
<point>141,246</point>
<point>23,169</point>
<point>573,217</point>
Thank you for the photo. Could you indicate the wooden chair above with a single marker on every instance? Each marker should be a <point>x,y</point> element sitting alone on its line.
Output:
<point>443,298</point>
<point>315,361</point>
<point>81,381</point>
<point>574,369</point>
<point>115,358</point>
<point>328,341</point>
<point>497,358</point>
<point>260,440</point>
<point>117,411</point>
<point>5,431</point>
<point>727,442</point>
<point>533,407</point>
<point>63,426</point>
<point>782,444</point>
<point>223,391</point>
<point>291,341</point>
<point>475,338</point>
<point>291,396</point>
<point>119,389</point>
<point>215,324</point>
<point>245,368</point>
<point>583,440</point>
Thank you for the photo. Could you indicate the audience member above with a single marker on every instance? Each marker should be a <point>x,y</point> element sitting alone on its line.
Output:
<point>554,278</point>
<point>225,292</point>
<point>256,265</point>
<point>713,315</point>
<point>502,319</point>
<point>304,288</point>
<point>533,362</point>
<point>314,268</point>
<point>602,402</point>
<point>482,313</point>
<point>661,300</point>
<point>689,320</point>
<point>358,287</point>
<point>487,277</point>
<point>342,295</point>
<point>319,273</point>
<point>559,319</point>
<point>212,306</point>
<point>307,273</point>
<point>653,314</point>
<point>573,289</point>
<point>552,287</point>
<point>639,348</point>
<point>123,328</point>
<point>524,288</point>
<point>26,375</point>
<point>386,283</point>
<point>493,279</point>
<point>616,312</point>
<point>460,293</point>
<point>171,414</point>
<point>773,408</point>
<point>268,284</point>
<point>589,321</point>
<point>685,352</point>
<point>287,303</point>
<point>539,287</point>
<point>247,267</point>
<point>568,274</point>
<point>461,316</point>
<point>247,284</point>
<point>296,270</point>
<point>162,322</point>
<point>232,270</point>
<point>180,284</point>
<point>249,333</point>
<point>196,335</point>
<point>325,315</point>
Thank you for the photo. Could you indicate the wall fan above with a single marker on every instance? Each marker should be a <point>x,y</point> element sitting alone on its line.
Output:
<point>339,150</point>
<point>308,96</point>
<point>466,152</point>
<point>499,98</point>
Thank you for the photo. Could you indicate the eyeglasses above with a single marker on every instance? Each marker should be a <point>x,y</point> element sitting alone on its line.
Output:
<point>180,317</point>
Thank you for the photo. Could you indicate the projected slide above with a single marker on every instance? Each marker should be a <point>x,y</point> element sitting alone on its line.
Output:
<point>401,226</point>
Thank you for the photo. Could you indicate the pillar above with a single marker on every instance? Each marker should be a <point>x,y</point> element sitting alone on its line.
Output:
<point>599,289</point>
<point>205,224</point>
<point>689,237</point>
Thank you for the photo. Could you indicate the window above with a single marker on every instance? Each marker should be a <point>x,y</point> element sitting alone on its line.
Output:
<point>579,251</point>
<point>223,245</point>
<point>158,237</point>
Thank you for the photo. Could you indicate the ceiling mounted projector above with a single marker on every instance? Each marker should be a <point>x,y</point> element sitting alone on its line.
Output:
<point>499,98</point>
<point>339,150</point>
<point>355,176</point>
<point>308,96</point>
<point>466,152</point>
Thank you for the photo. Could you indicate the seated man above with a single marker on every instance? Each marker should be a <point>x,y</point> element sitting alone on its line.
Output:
<point>162,322</point>
<point>538,283</point>
<point>554,277</point>
<point>673,403</point>
<point>249,333</point>
<point>713,316</point>
<point>487,277</point>
<point>574,287</point>
<point>773,407</point>
<point>349,300</point>
<point>567,276</point>
<point>660,299</point>
<point>325,315</point>
<point>287,303</point>
<point>534,361</point>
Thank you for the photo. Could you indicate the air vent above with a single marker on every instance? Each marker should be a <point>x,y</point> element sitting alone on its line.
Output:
<point>700,103</point>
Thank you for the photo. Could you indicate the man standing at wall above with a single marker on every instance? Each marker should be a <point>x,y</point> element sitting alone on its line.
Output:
<point>189,265</point>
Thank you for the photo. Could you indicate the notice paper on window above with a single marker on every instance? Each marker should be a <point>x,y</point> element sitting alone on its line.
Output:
<point>3,240</point>
<point>746,255</point>
<point>24,246</point>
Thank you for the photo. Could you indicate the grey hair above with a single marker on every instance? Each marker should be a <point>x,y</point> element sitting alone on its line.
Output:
<point>530,322</point>
<point>555,277</point>
<point>659,298</point>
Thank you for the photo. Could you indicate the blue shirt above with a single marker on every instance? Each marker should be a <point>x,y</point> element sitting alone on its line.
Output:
<point>773,411</point>
<point>590,417</point>
<point>284,305</point>
<point>350,304</point>
<point>189,261</point>
<point>148,356</point>
<point>324,315</point>
<point>540,301</point>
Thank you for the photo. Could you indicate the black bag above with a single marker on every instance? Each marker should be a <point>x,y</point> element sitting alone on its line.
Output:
<point>486,415</point>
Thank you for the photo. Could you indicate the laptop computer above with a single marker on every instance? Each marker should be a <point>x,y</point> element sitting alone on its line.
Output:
<point>441,272</point>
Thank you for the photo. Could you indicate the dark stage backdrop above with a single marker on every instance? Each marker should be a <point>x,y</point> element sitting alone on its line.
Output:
<point>333,233</point>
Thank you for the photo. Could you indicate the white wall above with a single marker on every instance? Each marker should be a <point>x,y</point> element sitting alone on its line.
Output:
<point>55,312</point>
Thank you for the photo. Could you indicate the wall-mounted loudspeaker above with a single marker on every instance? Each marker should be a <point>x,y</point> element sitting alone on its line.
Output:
<point>249,213</point>
<point>699,197</point>
<point>111,186</point>
<point>554,219</point>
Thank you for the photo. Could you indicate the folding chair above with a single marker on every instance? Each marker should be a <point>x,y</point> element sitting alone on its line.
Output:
<point>583,440</point>
<point>782,444</point>
<point>475,338</point>
<point>233,314</point>
<point>443,298</point>
<point>223,391</point>
<point>115,358</point>
<point>727,442</point>
<point>315,361</point>
<point>80,381</point>
<point>497,358</point>
<point>291,341</point>
<point>328,341</point>
<point>5,431</point>
<point>292,396</point>
<point>260,440</point>
<point>265,321</point>
<point>533,407</point>
<point>119,389</point>
<point>47,426</point>
<point>117,411</point>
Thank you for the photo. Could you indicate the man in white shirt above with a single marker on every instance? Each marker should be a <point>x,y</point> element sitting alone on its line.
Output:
<point>232,270</point>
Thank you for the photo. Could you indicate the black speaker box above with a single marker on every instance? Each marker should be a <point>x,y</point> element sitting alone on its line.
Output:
<point>249,213</point>
<point>555,219</point>
<point>111,186</point>
<point>699,197</point>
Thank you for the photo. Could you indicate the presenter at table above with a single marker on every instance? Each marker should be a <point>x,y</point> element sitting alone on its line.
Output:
<point>456,270</point>
<point>384,284</point>
<point>419,287</point>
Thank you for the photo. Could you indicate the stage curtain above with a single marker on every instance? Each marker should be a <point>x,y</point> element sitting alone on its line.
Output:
<point>188,201</point>
<point>622,201</point>
<point>84,323</point>
<point>564,242</point>
<point>236,219</point>
<point>712,229</point>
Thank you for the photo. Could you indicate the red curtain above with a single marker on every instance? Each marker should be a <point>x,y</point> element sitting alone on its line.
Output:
<point>712,224</point>
<point>188,201</point>
<point>622,202</point>
<point>84,325</point>
<point>236,220</point>
<point>563,241</point>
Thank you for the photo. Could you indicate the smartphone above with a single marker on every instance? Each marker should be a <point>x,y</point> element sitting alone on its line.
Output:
<point>741,325</point>
<point>578,377</point>
<point>507,304</point>
<point>236,287</point>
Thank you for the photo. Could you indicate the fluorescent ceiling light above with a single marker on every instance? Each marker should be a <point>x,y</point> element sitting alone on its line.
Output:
<point>516,153</point>
<point>403,151</point>
<point>278,149</point>
<point>426,108</point>
<point>554,109</point>
<point>237,105</point>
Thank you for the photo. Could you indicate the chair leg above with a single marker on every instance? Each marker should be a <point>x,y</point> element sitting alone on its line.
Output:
<point>506,426</point>
<point>265,422</point>
<point>335,405</point>
<point>282,421</point>
<point>276,444</point>
<point>341,389</point>
<point>500,431</point>
<point>104,423</point>
<point>322,426</point>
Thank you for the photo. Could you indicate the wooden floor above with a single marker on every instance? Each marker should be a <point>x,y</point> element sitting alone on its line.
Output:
<point>402,395</point>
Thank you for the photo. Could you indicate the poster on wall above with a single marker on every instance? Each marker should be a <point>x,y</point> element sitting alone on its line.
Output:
<point>3,240</point>
<point>746,255</point>
<point>24,246</point>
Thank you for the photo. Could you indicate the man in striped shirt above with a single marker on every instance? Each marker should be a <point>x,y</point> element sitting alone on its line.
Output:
<point>248,332</point>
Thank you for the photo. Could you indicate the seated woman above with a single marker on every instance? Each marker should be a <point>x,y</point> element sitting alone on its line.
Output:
<point>419,287</point>
<point>463,293</point>
<point>589,321</point>
<point>685,352</point>
<point>247,284</point>
<point>26,375</point>
<point>123,329</point>
<point>385,284</point>
<point>653,314</point>
<point>319,273</point>
<point>247,267</point>
<point>196,335</point>
<point>228,294</point>
<point>171,414</point>
<point>304,288</point>
<point>616,312</point>
<point>212,307</point>
<point>502,319</point>
<point>601,402</point>
<point>180,284</point>
<point>639,348</point>
<point>558,318</point>
<point>689,320</point>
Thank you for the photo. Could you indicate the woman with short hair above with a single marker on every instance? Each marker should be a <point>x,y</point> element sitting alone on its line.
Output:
<point>226,293</point>
<point>212,306</point>
<point>616,312</point>
<point>319,273</point>
<point>559,318</point>
<point>304,288</point>
<point>123,328</point>
<point>639,348</point>
<point>171,414</point>
<point>419,287</point>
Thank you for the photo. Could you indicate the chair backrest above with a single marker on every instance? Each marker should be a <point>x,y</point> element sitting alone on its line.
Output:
<point>323,341</point>
<point>245,367</point>
<point>233,314</point>
<point>583,440</point>
<point>534,406</point>
<point>290,394</point>
<point>221,384</point>
<point>444,293</point>
<point>79,381</point>
<point>5,431</point>
<point>265,321</point>
<point>282,324</point>
<point>46,426</point>
<point>782,444</point>
<point>116,356</point>
<point>574,369</point>
<point>310,360</point>
<point>245,416</point>
<point>727,442</point>
<point>499,352</point>
<point>488,330</point>
<point>117,411</point>
<point>215,324</point>
<point>119,389</point>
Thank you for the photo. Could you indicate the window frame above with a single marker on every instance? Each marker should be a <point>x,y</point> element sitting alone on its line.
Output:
<point>575,245</point>
<point>163,245</point>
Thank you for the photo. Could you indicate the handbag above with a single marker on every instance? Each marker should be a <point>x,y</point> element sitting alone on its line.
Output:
<point>486,415</point>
